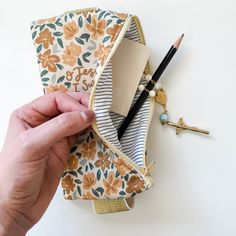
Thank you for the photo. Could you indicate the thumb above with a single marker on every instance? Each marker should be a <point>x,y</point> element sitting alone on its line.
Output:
<point>64,125</point>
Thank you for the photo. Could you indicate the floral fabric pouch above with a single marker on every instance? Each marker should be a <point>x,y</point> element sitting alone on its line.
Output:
<point>74,52</point>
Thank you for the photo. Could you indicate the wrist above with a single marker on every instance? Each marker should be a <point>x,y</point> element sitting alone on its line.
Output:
<point>12,224</point>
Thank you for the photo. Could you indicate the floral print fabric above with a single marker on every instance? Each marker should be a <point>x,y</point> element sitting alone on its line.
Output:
<point>71,48</point>
<point>94,171</point>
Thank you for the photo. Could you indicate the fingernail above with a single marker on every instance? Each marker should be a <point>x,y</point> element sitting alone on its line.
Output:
<point>87,116</point>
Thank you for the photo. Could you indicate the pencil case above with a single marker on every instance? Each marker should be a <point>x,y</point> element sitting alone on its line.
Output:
<point>74,52</point>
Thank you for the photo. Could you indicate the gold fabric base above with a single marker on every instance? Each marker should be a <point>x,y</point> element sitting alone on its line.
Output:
<point>113,205</point>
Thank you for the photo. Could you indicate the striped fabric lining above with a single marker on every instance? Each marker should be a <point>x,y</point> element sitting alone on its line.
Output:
<point>133,141</point>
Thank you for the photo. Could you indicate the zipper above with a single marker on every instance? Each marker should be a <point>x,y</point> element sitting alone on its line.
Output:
<point>143,171</point>
<point>152,102</point>
<point>81,10</point>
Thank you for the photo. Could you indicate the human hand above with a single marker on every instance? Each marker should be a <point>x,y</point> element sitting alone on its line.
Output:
<point>35,154</point>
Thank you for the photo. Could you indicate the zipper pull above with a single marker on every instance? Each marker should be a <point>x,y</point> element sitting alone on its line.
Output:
<point>149,169</point>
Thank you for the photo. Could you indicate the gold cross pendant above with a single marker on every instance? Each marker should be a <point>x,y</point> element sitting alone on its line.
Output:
<point>181,126</point>
<point>161,98</point>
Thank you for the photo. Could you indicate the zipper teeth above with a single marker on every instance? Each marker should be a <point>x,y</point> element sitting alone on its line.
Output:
<point>91,103</point>
<point>147,70</point>
<point>82,10</point>
<point>123,156</point>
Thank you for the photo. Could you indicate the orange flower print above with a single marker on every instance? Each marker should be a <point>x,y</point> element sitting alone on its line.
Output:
<point>122,16</point>
<point>41,21</point>
<point>121,167</point>
<point>72,51</point>
<point>97,27</point>
<point>68,184</point>
<point>104,144</point>
<point>135,184</point>
<point>102,52</point>
<point>48,60</point>
<point>112,184</point>
<point>72,163</point>
<point>89,180</point>
<point>103,161</point>
<point>114,31</point>
<point>69,197</point>
<point>49,20</point>
<point>88,196</point>
<point>45,37</point>
<point>56,87</point>
<point>89,150</point>
<point>70,30</point>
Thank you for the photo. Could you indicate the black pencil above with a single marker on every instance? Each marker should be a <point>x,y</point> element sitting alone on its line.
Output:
<point>135,108</point>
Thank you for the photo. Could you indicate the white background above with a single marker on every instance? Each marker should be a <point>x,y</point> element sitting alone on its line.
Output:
<point>194,192</point>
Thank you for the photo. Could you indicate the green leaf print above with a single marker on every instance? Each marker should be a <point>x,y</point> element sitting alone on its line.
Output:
<point>122,193</point>
<point>34,34</point>
<point>73,148</point>
<point>78,181</point>
<point>60,67</point>
<point>117,173</point>
<point>67,84</point>
<point>58,23</point>
<point>73,173</point>
<point>98,174</point>
<point>107,14</point>
<point>106,173</point>
<point>42,27</point>
<point>89,19</point>
<point>119,21</point>
<point>80,41</point>
<point>71,15</point>
<point>106,39</point>
<point>66,16</point>
<point>79,190</point>
<point>44,79</point>
<point>60,42</point>
<point>80,21</point>
<point>109,22</point>
<point>52,26</point>
<point>39,48</point>
<point>57,34</point>
<point>79,62</point>
<point>44,72</point>
<point>91,166</point>
<point>100,189</point>
<point>60,79</point>
<point>85,36</point>
<point>101,14</point>
<point>126,177</point>
<point>85,55</point>
<point>95,192</point>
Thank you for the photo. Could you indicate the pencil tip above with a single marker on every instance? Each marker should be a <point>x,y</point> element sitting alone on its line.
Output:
<point>178,41</point>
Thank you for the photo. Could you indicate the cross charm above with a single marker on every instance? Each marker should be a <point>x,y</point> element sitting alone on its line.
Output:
<point>181,126</point>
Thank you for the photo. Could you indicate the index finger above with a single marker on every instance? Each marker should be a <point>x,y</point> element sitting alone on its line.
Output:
<point>50,105</point>
<point>55,103</point>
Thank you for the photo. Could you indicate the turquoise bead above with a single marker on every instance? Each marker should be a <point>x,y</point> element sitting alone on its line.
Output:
<point>163,117</point>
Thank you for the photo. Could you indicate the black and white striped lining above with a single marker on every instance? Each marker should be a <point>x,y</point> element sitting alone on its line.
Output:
<point>102,104</point>
<point>133,140</point>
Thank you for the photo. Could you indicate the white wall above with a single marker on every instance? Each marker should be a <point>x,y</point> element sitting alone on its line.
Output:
<point>194,192</point>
